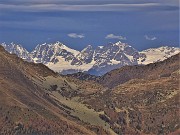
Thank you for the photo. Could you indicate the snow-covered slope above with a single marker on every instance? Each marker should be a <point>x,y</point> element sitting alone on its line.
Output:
<point>157,54</point>
<point>56,56</point>
<point>100,60</point>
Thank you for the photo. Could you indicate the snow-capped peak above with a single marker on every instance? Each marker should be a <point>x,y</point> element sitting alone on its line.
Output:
<point>44,43</point>
<point>75,52</point>
<point>17,49</point>
<point>89,47</point>
<point>61,58</point>
<point>121,45</point>
<point>101,47</point>
<point>117,43</point>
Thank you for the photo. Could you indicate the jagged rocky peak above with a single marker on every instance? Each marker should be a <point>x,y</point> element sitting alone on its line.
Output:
<point>100,47</point>
<point>85,56</point>
<point>87,50</point>
<point>12,48</point>
<point>102,59</point>
<point>114,55</point>
<point>118,51</point>
<point>129,50</point>
<point>120,44</point>
<point>56,47</point>
<point>18,50</point>
<point>53,52</point>
<point>88,47</point>
<point>118,47</point>
<point>45,46</point>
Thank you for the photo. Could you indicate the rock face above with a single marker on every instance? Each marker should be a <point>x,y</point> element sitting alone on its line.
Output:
<point>51,53</point>
<point>97,61</point>
<point>113,56</point>
<point>86,55</point>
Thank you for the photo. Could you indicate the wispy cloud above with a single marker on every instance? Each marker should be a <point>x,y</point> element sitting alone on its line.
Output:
<point>150,37</point>
<point>75,35</point>
<point>95,6</point>
<point>112,36</point>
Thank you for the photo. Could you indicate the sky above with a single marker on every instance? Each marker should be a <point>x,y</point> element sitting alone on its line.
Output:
<point>77,23</point>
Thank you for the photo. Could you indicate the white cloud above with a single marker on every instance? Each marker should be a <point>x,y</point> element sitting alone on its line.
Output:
<point>86,5</point>
<point>150,37</point>
<point>39,7</point>
<point>75,35</point>
<point>112,36</point>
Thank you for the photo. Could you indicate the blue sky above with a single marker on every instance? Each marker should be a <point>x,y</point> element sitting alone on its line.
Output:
<point>78,23</point>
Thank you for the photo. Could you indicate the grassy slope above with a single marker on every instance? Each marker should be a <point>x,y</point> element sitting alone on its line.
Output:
<point>25,106</point>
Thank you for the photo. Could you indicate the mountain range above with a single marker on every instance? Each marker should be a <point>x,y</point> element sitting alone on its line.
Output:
<point>96,61</point>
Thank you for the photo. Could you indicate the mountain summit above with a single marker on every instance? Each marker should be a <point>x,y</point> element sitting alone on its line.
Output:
<point>98,61</point>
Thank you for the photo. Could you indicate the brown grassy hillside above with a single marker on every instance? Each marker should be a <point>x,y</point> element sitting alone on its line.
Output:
<point>25,104</point>
<point>150,71</point>
<point>143,100</point>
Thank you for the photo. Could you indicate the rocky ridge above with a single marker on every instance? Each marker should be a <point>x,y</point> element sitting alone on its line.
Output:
<point>98,61</point>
